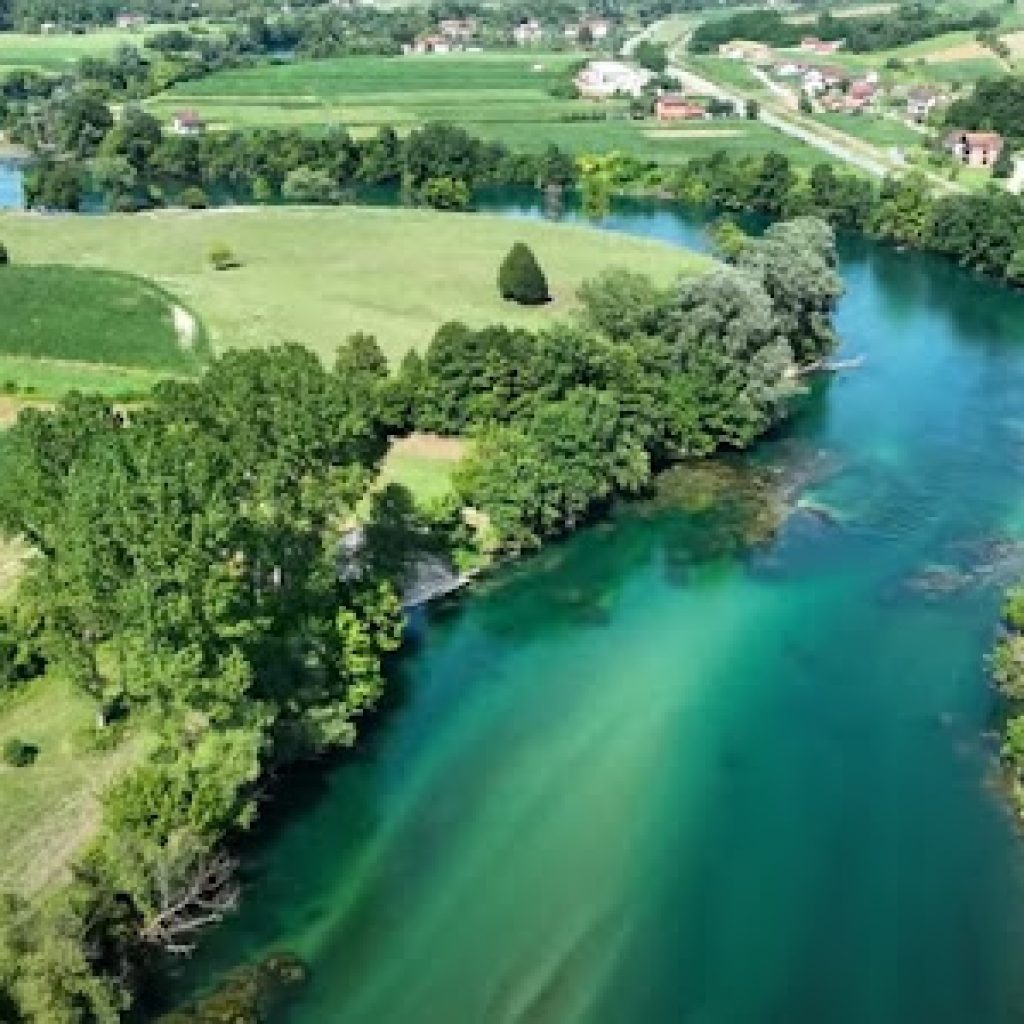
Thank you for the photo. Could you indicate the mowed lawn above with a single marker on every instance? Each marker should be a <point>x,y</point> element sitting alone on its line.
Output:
<point>49,809</point>
<point>315,275</point>
<point>500,96</point>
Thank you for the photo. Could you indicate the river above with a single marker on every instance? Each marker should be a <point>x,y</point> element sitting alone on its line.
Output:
<point>12,196</point>
<point>649,777</point>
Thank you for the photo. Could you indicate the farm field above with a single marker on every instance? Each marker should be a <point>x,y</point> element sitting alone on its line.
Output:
<point>74,328</point>
<point>495,96</point>
<point>53,52</point>
<point>879,131</point>
<point>48,810</point>
<point>314,275</point>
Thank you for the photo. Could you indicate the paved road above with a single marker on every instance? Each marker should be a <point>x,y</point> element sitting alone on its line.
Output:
<point>835,149</point>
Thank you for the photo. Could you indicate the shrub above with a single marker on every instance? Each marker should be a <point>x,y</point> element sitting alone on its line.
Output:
<point>521,279</point>
<point>222,258</point>
<point>262,190</point>
<point>446,194</point>
<point>4,255</point>
<point>194,198</point>
<point>19,754</point>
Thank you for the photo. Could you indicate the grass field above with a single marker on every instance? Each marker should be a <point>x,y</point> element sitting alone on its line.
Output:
<point>57,51</point>
<point>424,463</point>
<point>50,808</point>
<point>88,315</point>
<point>495,95</point>
<point>313,276</point>
<point>879,131</point>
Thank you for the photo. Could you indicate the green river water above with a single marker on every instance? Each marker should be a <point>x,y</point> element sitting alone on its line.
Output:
<point>652,776</point>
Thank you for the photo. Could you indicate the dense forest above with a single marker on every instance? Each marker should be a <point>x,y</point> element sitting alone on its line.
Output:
<point>909,23</point>
<point>192,572</point>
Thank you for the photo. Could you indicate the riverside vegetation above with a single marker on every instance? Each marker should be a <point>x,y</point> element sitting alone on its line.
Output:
<point>210,608</point>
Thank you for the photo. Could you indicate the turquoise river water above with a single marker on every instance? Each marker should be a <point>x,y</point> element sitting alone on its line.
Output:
<point>648,776</point>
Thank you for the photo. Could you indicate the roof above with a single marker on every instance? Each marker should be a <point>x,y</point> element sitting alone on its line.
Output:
<point>187,117</point>
<point>976,140</point>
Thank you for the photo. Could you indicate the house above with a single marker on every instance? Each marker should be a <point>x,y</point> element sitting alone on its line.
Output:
<point>790,69</point>
<point>743,49</point>
<point>594,28</point>
<point>187,122</point>
<point>459,30</point>
<point>48,28</point>
<point>921,102</point>
<point>673,107</point>
<point>812,44</point>
<point>975,149</point>
<point>430,42</point>
<point>603,79</point>
<point>862,91</point>
<point>526,33</point>
<point>130,22</point>
<point>817,80</point>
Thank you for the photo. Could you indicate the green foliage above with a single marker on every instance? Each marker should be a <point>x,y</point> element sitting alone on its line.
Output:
<point>566,419</point>
<point>520,278</point>
<point>309,185</point>
<point>729,238</point>
<point>5,257</point>
<point>54,185</point>
<point>650,55</point>
<point>194,198</point>
<point>446,194</point>
<point>222,257</point>
<point>865,32</point>
<point>18,754</point>
<point>994,104</point>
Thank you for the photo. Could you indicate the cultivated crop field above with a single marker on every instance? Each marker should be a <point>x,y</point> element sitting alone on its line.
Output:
<point>96,316</point>
<point>495,96</point>
<point>315,275</point>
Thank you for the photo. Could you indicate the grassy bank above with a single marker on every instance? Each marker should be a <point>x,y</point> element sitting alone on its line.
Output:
<point>313,276</point>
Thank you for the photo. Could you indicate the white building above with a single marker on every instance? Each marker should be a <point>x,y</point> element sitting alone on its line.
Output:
<point>603,79</point>
<point>529,32</point>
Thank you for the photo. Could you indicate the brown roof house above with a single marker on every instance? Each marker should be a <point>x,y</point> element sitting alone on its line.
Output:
<point>975,149</point>
<point>670,107</point>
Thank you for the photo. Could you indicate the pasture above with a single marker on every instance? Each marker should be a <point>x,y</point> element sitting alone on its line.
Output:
<point>50,809</point>
<point>56,51</point>
<point>314,275</point>
<point>499,96</point>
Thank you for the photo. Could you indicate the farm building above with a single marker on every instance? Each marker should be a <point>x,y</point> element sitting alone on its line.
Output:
<point>596,28</point>
<point>670,107</point>
<point>921,102</point>
<point>811,44</point>
<point>458,29</point>
<point>528,32</point>
<point>744,49</point>
<point>130,21</point>
<point>604,79</point>
<point>975,149</point>
<point>187,122</point>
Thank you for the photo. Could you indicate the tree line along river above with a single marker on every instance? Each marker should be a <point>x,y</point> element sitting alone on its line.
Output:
<point>657,773</point>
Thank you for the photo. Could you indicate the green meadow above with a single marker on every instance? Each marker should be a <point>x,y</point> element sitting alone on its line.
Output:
<point>314,275</point>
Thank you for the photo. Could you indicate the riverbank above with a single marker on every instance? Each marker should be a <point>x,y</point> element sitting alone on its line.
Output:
<point>659,714</point>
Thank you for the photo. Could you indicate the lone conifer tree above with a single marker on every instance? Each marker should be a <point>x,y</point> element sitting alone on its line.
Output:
<point>521,279</point>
